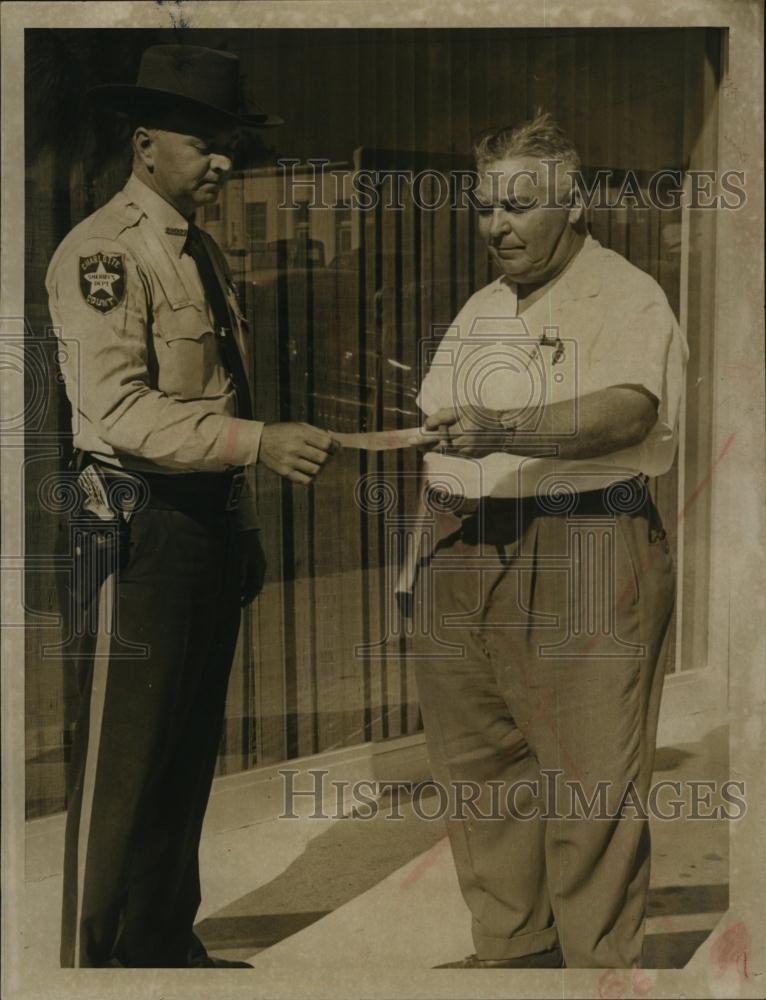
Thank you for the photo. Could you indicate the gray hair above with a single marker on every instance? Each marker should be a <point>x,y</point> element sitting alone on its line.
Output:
<point>541,137</point>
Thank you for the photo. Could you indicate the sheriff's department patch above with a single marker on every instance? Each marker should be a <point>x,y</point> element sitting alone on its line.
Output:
<point>102,280</point>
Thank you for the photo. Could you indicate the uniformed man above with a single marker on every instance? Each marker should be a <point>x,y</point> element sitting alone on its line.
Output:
<point>549,586</point>
<point>168,547</point>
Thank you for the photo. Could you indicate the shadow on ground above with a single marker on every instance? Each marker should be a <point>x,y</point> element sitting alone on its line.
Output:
<point>337,866</point>
<point>354,855</point>
<point>673,949</point>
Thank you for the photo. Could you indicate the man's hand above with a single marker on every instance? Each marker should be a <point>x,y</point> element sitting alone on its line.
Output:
<point>253,566</point>
<point>296,451</point>
<point>471,430</point>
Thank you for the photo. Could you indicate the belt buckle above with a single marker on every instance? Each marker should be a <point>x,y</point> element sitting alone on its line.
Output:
<point>235,491</point>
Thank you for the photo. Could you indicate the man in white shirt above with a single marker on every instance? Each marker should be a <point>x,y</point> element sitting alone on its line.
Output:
<point>549,589</point>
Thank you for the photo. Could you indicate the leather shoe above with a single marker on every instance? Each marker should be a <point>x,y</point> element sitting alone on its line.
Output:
<point>551,959</point>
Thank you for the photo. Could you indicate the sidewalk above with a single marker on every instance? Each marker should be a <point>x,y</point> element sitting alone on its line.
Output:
<point>383,892</point>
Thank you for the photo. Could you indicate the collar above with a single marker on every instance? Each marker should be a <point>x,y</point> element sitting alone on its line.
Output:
<point>170,224</point>
<point>581,280</point>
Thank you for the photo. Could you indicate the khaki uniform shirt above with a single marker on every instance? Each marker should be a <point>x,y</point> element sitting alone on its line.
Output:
<point>147,384</point>
<point>614,327</point>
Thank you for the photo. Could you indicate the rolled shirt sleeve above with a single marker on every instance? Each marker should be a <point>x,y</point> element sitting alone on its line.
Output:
<point>112,383</point>
<point>641,345</point>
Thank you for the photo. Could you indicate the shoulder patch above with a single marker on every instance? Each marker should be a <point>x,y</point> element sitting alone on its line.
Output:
<point>102,280</point>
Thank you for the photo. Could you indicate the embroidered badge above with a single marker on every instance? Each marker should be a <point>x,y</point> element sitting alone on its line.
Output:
<point>102,280</point>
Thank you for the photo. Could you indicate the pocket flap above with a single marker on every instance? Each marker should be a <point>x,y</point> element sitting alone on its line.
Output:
<point>187,321</point>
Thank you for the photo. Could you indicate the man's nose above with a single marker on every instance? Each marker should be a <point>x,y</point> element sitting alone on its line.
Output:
<point>500,225</point>
<point>221,163</point>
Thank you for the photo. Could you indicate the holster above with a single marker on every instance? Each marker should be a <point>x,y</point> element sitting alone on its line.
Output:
<point>99,536</point>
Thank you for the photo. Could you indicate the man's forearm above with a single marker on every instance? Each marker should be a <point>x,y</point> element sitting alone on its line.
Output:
<point>600,423</point>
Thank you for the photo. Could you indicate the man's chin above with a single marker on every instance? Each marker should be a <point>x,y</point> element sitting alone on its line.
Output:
<point>207,193</point>
<point>512,264</point>
<point>515,271</point>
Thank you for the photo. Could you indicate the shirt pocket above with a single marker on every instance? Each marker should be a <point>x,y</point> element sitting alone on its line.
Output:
<point>189,364</point>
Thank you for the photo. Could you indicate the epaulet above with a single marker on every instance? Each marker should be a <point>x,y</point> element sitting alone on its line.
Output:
<point>114,218</point>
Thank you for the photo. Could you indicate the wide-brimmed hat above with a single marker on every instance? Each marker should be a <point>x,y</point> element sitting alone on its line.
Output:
<point>188,79</point>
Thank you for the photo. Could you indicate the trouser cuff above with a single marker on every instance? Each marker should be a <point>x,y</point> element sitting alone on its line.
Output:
<point>497,948</point>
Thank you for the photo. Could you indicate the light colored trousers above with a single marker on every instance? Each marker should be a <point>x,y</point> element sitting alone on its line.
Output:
<point>541,649</point>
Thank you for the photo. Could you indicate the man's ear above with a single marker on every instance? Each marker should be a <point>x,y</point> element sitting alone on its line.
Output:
<point>143,146</point>
<point>576,209</point>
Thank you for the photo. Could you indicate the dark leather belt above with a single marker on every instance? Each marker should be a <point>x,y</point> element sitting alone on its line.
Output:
<point>628,496</point>
<point>213,492</point>
<point>499,520</point>
<point>192,492</point>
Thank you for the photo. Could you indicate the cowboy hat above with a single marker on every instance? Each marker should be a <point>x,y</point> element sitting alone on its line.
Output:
<point>186,78</point>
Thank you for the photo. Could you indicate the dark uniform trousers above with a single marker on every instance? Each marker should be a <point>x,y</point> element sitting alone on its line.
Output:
<point>153,672</point>
<point>543,634</point>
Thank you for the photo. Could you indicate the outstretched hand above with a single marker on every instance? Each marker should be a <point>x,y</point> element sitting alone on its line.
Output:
<point>471,430</point>
<point>296,451</point>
